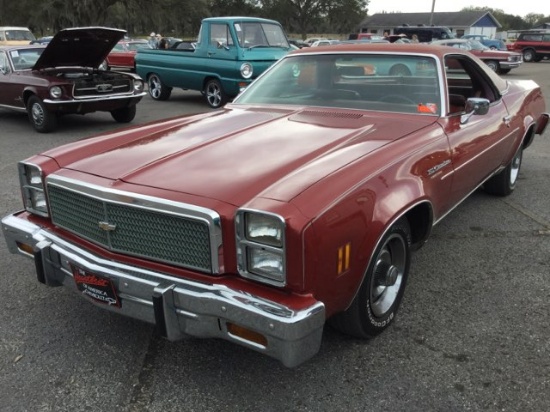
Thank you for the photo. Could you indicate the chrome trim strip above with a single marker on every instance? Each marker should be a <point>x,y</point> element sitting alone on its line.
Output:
<point>79,100</point>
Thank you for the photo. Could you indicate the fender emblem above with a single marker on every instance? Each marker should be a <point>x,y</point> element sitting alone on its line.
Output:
<point>106,226</point>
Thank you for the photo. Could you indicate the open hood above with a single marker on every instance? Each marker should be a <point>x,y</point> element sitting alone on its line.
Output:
<point>80,46</point>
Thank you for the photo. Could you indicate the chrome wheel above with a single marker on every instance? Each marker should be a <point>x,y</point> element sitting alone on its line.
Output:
<point>215,96</point>
<point>514,167</point>
<point>37,113</point>
<point>390,265</point>
<point>157,89</point>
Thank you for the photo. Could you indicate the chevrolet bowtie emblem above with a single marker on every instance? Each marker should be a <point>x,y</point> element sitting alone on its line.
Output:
<point>106,226</point>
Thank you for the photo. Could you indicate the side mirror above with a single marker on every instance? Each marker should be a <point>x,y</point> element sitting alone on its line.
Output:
<point>222,45</point>
<point>475,105</point>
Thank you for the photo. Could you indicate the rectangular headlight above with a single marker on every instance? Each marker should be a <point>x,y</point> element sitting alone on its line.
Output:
<point>260,242</point>
<point>32,189</point>
<point>265,229</point>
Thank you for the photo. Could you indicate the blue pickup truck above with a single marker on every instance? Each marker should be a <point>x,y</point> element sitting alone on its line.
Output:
<point>230,52</point>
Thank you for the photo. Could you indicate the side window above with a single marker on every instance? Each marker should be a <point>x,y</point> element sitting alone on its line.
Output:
<point>465,80</point>
<point>4,66</point>
<point>219,33</point>
<point>546,37</point>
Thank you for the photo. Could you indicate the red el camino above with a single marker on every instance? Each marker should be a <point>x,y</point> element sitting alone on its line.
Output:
<point>123,54</point>
<point>63,78</point>
<point>299,203</point>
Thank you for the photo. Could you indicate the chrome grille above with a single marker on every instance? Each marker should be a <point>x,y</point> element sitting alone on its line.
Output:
<point>97,87</point>
<point>135,229</point>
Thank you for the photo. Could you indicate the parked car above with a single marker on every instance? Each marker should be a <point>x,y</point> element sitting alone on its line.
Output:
<point>493,44</point>
<point>184,45</point>
<point>15,36</point>
<point>499,61</point>
<point>424,34</point>
<point>63,78</point>
<point>533,45</point>
<point>298,203</point>
<point>42,40</point>
<point>324,42</point>
<point>123,54</point>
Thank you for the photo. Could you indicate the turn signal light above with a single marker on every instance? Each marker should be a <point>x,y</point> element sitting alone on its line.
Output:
<point>247,334</point>
<point>25,248</point>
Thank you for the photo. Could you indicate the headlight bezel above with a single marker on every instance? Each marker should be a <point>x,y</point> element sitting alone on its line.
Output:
<point>139,86</point>
<point>31,181</point>
<point>269,254</point>
<point>56,92</point>
<point>247,70</point>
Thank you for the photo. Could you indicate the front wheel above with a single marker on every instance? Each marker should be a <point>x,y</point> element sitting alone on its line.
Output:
<point>214,94</point>
<point>125,114</point>
<point>504,183</point>
<point>504,71</point>
<point>157,89</point>
<point>42,120</point>
<point>493,65</point>
<point>381,292</point>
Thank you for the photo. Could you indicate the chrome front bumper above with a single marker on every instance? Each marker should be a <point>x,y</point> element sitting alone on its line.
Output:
<point>179,308</point>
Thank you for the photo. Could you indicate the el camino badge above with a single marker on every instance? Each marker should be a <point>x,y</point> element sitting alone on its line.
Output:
<point>440,166</point>
<point>104,88</point>
<point>106,226</point>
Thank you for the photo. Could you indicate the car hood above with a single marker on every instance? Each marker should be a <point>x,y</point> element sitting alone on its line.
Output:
<point>236,154</point>
<point>81,47</point>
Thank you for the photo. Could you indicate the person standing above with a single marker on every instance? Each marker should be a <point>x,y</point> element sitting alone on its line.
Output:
<point>153,40</point>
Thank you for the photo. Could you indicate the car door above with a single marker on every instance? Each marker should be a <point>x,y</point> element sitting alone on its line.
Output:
<point>10,85</point>
<point>479,144</point>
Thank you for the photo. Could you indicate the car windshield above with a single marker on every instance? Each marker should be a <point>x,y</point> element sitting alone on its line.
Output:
<point>256,34</point>
<point>25,59</point>
<point>382,82</point>
<point>476,45</point>
<point>138,45</point>
<point>19,35</point>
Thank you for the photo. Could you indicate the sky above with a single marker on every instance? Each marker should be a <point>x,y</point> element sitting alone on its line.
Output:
<point>513,7</point>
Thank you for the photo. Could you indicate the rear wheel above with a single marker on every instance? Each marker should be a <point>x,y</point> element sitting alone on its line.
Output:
<point>381,292</point>
<point>400,70</point>
<point>157,89</point>
<point>125,114</point>
<point>529,55</point>
<point>215,96</point>
<point>42,120</point>
<point>504,183</point>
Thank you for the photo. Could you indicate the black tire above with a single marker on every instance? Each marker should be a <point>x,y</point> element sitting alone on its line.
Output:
<point>493,65</point>
<point>378,299</point>
<point>537,58</point>
<point>42,120</point>
<point>214,94</point>
<point>504,71</point>
<point>124,115</point>
<point>504,183</point>
<point>157,89</point>
<point>529,55</point>
<point>400,70</point>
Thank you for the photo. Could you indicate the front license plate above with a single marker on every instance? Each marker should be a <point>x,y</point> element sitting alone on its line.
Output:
<point>96,287</point>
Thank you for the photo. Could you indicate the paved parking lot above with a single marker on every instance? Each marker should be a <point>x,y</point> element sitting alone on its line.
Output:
<point>473,332</point>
